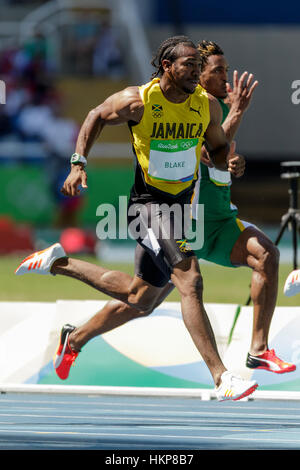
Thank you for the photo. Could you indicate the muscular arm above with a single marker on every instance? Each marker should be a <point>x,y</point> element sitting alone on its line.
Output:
<point>119,108</point>
<point>216,141</point>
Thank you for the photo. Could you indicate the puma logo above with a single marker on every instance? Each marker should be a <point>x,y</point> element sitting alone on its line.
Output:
<point>195,110</point>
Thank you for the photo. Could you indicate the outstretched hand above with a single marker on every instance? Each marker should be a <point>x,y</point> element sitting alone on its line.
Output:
<point>240,95</point>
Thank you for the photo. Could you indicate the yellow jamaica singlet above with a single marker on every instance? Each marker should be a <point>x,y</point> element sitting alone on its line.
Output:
<point>167,141</point>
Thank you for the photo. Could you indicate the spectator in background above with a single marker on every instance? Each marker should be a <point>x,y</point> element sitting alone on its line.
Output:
<point>31,60</point>
<point>25,71</point>
<point>59,136</point>
<point>33,114</point>
<point>80,44</point>
<point>36,48</point>
<point>107,59</point>
<point>34,117</point>
<point>5,124</point>
<point>42,121</point>
<point>18,96</point>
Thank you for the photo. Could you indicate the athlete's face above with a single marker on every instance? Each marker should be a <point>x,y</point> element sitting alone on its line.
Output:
<point>185,70</point>
<point>214,76</point>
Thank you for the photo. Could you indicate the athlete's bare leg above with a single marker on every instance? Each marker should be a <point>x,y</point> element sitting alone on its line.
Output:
<point>188,280</point>
<point>121,286</point>
<point>115,313</point>
<point>136,293</point>
<point>254,249</point>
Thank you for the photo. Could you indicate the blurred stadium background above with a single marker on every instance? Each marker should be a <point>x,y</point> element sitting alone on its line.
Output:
<point>59,59</point>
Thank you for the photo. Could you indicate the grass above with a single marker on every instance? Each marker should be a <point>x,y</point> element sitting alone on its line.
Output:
<point>221,285</point>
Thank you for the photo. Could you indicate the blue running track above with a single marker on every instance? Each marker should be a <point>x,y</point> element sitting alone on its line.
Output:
<point>32,421</point>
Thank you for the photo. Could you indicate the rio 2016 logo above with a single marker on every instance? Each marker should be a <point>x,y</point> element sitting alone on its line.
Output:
<point>2,92</point>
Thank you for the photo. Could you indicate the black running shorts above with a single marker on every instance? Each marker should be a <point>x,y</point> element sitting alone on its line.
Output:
<point>159,229</point>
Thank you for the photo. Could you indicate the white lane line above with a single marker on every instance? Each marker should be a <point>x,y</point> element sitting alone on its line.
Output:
<point>157,436</point>
<point>188,402</point>
<point>127,414</point>
<point>151,428</point>
<point>239,412</point>
<point>114,420</point>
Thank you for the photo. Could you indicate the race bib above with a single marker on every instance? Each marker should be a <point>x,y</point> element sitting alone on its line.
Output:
<point>220,178</point>
<point>173,160</point>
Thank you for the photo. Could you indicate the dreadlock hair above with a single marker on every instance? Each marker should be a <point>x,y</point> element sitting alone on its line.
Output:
<point>167,50</point>
<point>206,49</point>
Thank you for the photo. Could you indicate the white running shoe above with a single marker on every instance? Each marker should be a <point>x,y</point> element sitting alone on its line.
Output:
<point>40,262</point>
<point>234,387</point>
<point>292,283</point>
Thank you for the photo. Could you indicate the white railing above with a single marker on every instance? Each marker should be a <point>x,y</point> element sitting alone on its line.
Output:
<point>127,14</point>
<point>50,12</point>
<point>125,17</point>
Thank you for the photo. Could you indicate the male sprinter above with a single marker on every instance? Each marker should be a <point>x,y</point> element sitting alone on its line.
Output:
<point>159,178</point>
<point>228,240</point>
